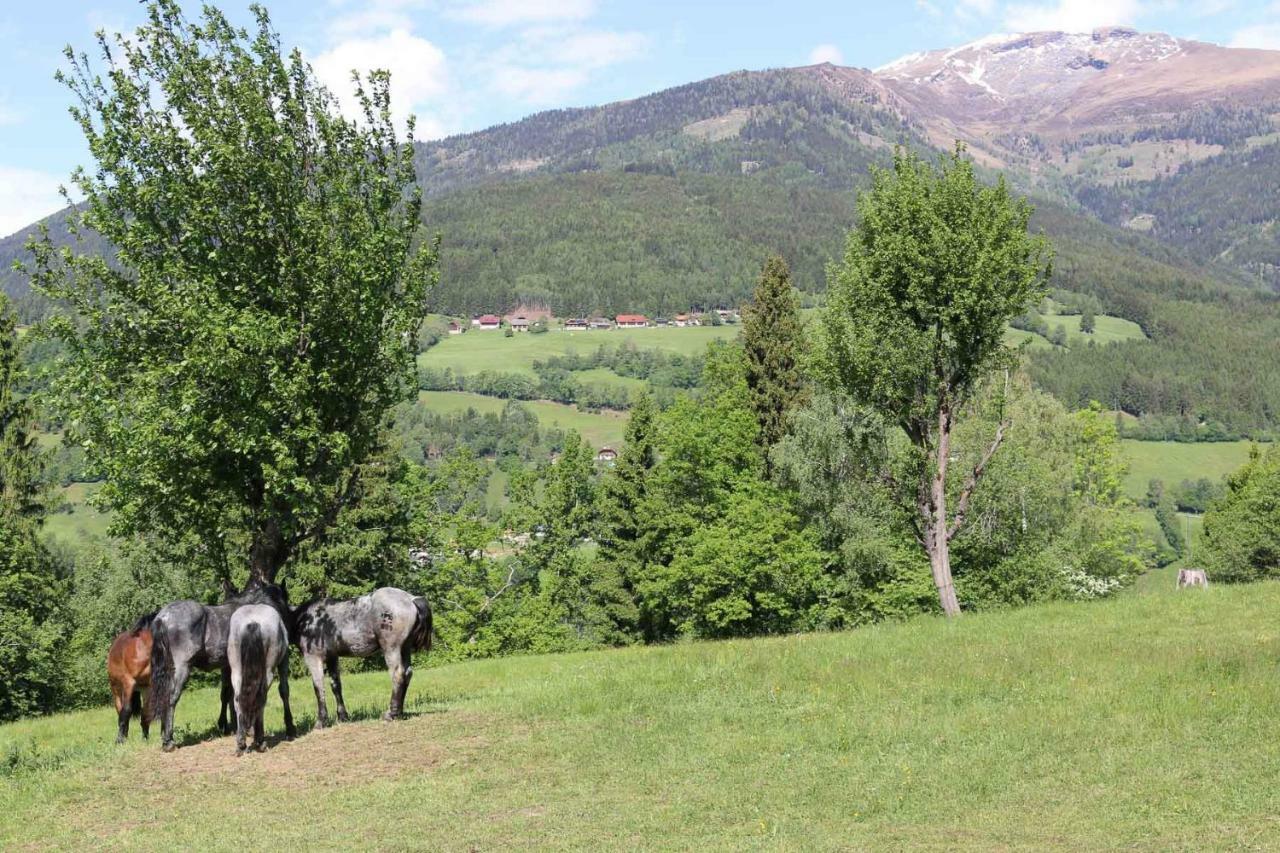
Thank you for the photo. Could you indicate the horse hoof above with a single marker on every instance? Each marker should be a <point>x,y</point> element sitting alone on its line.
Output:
<point>168,747</point>
<point>343,718</point>
<point>119,740</point>
<point>389,717</point>
<point>259,747</point>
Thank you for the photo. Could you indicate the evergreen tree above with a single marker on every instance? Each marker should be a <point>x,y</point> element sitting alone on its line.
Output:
<point>31,633</point>
<point>771,342</point>
<point>1088,322</point>
<point>625,485</point>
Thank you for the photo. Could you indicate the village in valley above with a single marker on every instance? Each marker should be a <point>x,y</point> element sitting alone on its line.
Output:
<point>541,320</point>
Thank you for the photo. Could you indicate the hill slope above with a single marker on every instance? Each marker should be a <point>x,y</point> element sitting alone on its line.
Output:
<point>1144,722</point>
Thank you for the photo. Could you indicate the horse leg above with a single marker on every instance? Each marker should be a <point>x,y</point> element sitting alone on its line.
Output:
<point>144,716</point>
<point>289,731</point>
<point>259,735</point>
<point>242,719</point>
<point>335,676</point>
<point>396,667</point>
<point>120,692</point>
<point>406,666</point>
<point>315,667</point>
<point>227,726</point>
<point>181,671</point>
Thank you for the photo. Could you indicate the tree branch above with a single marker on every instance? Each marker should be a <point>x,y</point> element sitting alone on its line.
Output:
<point>971,482</point>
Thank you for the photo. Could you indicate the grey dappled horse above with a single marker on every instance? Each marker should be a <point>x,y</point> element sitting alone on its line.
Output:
<point>388,619</point>
<point>188,634</point>
<point>257,647</point>
<point>1192,577</point>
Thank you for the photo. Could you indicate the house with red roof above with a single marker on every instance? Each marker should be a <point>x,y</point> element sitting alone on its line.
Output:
<point>632,321</point>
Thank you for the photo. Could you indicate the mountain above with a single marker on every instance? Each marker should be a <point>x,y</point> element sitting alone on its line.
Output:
<point>1140,152</point>
<point>1062,85</point>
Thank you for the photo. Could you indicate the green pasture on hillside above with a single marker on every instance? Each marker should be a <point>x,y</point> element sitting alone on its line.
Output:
<point>1146,722</point>
<point>598,428</point>
<point>476,351</point>
<point>1175,461</point>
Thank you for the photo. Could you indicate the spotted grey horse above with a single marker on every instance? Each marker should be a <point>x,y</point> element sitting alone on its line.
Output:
<point>389,620</point>
<point>257,647</point>
<point>187,634</point>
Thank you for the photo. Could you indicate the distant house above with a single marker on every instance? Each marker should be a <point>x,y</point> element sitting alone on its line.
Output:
<point>475,320</point>
<point>601,323</point>
<point>489,321</point>
<point>520,324</point>
<point>682,320</point>
<point>529,312</point>
<point>607,455</point>
<point>454,328</point>
<point>576,324</point>
<point>632,321</point>
<point>661,321</point>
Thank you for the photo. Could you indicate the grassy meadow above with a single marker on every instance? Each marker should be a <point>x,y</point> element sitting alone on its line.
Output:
<point>476,351</point>
<point>598,428</point>
<point>1144,722</point>
<point>1175,461</point>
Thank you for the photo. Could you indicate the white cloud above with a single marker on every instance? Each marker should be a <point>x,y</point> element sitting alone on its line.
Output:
<point>419,74</point>
<point>537,86</point>
<point>25,196</point>
<point>504,13</point>
<point>1072,16</point>
<point>826,53</point>
<point>977,7</point>
<point>547,63</point>
<point>1262,36</point>
<point>601,48</point>
<point>374,16</point>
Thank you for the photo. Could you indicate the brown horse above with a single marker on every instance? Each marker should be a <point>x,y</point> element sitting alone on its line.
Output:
<point>129,671</point>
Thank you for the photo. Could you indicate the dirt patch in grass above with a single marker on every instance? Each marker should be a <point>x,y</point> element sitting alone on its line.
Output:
<point>339,755</point>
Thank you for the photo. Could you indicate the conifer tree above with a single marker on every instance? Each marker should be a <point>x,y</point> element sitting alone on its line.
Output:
<point>771,341</point>
<point>30,589</point>
<point>623,490</point>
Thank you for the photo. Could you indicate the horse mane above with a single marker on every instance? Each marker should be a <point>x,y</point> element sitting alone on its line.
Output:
<point>144,622</point>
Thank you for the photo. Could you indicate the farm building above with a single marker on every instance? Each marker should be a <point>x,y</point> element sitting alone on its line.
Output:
<point>632,321</point>
<point>602,323</point>
<point>576,324</point>
<point>454,328</point>
<point>607,455</point>
<point>489,322</point>
<point>520,324</point>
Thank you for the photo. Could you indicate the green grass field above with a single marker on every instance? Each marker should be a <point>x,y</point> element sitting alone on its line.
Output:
<point>1145,722</point>
<point>84,524</point>
<point>476,351</point>
<point>599,429</point>
<point>1174,461</point>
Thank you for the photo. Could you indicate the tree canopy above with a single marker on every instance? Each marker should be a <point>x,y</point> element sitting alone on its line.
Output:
<point>234,360</point>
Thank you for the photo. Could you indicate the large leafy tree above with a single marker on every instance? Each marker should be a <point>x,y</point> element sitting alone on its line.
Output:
<point>771,341</point>
<point>237,355</point>
<point>915,319</point>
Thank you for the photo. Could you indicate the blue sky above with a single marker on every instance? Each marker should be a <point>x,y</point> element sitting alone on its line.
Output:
<point>466,64</point>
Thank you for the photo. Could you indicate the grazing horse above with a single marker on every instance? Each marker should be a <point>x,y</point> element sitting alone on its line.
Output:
<point>1192,577</point>
<point>188,634</point>
<point>387,619</point>
<point>129,672</point>
<point>257,647</point>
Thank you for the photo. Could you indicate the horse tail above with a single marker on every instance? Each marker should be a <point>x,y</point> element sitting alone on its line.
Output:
<point>253,670</point>
<point>144,622</point>
<point>422,627</point>
<point>161,689</point>
<point>135,703</point>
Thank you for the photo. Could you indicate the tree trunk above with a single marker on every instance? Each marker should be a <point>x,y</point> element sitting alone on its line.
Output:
<point>937,541</point>
<point>267,553</point>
